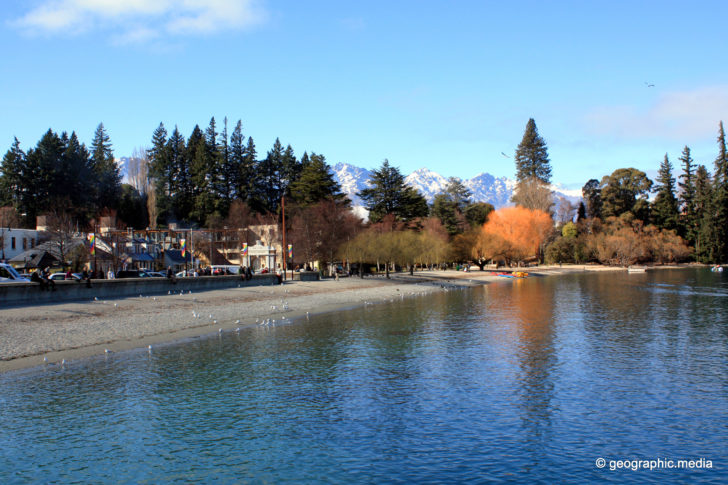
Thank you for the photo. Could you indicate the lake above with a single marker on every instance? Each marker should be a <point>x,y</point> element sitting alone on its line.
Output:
<point>517,381</point>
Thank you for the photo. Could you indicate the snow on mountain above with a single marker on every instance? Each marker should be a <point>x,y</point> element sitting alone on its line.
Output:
<point>352,180</point>
<point>123,164</point>
<point>427,182</point>
<point>487,188</point>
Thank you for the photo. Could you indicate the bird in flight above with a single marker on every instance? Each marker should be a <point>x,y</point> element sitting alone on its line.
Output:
<point>649,85</point>
<point>505,155</point>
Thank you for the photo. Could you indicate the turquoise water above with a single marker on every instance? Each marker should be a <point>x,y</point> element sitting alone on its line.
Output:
<point>517,381</point>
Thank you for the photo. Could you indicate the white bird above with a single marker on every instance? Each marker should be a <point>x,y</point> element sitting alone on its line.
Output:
<point>45,359</point>
<point>210,316</point>
<point>237,329</point>
<point>63,362</point>
<point>150,348</point>
<point>96,299</point>
<point>237,321</point>
<point>107,351</point>
<point>219,330</point>
<point>116,305</point>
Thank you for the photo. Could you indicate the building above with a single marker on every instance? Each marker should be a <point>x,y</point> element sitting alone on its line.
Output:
<point>16,241</point>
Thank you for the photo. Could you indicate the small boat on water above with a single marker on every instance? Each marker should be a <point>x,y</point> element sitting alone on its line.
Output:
<point>716,269</point>
<point>515,274</point>
<point>636,269</point>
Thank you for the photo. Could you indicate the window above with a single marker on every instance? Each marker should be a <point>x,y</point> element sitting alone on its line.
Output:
<point>12,243</point>
<point>25,244</point>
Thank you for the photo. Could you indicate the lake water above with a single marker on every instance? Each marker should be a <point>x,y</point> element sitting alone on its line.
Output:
<point>517,381</point>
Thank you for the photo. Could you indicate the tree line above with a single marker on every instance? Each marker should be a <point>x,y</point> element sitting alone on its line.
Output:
<point>214,178</point>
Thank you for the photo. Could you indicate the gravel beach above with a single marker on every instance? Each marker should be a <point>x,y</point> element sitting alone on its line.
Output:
<point>76,330</point>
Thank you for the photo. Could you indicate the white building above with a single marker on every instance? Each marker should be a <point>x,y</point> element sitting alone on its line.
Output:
<point>15,241</point>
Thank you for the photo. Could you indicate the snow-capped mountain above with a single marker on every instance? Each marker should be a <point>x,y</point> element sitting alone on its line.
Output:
<point>485,187</point>
<point>352,180</point>
<point>427,183</point>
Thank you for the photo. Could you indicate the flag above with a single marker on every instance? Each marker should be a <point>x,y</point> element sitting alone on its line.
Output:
<point>290,251</point>
<point>245,249</point>
<point>183,247</point>
<point>92,243</point>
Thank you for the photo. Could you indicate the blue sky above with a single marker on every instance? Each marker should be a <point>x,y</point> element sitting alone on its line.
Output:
<point>443,85</point>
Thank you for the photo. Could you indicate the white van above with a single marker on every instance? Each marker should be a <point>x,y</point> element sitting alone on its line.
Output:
<point>225,269</point>
<point>8,274</point>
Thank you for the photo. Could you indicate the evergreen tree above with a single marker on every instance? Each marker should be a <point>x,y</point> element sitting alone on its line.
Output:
<point>388,194</point>
<point>664,208</point>
<point>215,163</point>
<point>532,159</point>
<point>41,178</point>
<point>105,169</point>
<point>720,200</point>
<point>316,184</point>
<point>592,194</point>
<point>11,174</point>
<point>477,214</point>
<point>200,156</point>
<point>290,169</point>
<point>236,172</point>
<point>77,168</point>
<point>180,177</point>
<point>268,188</point>
<point>688,220</point>
<point>449,206</point>
<point>248,174</point>
<point>581,211</point>
<point>705,234</point>
<point>625,190</point>
<point>161,172</point>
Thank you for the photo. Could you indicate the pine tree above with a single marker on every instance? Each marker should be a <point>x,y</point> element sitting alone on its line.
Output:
<point>532,159</point>
<point>592,194</point>
<point>317,183</point>
<point>236,172</point>
<point>160,171</point>
<point>105,170</point>
<point>180,178</point>
<point>215,161</point>
<point>664,208</point>
<point>449,206</point>
<point>388,194</point>
<point>248,173</point>
<point>688,219</point>
<point>705,234</point>
<point>11,172</point>
<point>198,153</point>
<point>268,188</point>
<point>720,200</point>
<point>290,169</point>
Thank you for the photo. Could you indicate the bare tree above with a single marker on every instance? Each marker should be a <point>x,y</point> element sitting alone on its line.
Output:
<point>152,210</point>
<point>565,212</point>
<point>138,170</point>
<point>533,194</point>
<point>61,233</point>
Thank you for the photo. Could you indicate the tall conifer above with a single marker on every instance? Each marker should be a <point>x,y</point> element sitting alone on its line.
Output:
<point>664,208</point>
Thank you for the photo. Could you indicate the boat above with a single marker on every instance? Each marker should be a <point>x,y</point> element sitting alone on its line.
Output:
<point>716,269</point>
<point>636,269</point>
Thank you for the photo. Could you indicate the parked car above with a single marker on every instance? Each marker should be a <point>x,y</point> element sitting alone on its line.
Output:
<point>8,274</point>
<point>58,276</point>
<point>155,274</point>
<point>129,273</point>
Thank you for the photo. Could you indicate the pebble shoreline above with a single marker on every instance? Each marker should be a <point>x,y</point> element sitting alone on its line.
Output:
<point>83,329</point>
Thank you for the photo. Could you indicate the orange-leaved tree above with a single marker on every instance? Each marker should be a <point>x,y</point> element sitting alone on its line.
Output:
<point>514,233</point>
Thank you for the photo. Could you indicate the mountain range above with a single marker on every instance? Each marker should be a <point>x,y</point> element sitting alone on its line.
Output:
<point>484,187</point>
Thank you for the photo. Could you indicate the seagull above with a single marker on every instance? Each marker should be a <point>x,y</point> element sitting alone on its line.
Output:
<point>63,362</point>
<point>237,321</point>
<point>107,351</point>
<point>649,85</point>
<point>505,155</point>
<point>45,360</point>
<point>150,348</point>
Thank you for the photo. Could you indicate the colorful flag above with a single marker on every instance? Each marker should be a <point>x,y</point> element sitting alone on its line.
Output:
<point>92,243</point>
<point>290,251</point>
<point>183,246</point>
<point>245,249</point>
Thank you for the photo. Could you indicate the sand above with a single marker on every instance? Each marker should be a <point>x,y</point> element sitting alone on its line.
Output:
<point>69,331</point>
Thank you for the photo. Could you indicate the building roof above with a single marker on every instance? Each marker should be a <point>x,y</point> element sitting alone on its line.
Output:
<point>174,256</point>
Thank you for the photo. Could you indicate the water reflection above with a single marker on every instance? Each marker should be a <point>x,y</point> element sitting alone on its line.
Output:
<point>530,379</point>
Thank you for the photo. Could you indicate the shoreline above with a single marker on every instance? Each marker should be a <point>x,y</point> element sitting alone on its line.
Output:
<point>74,331</point>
